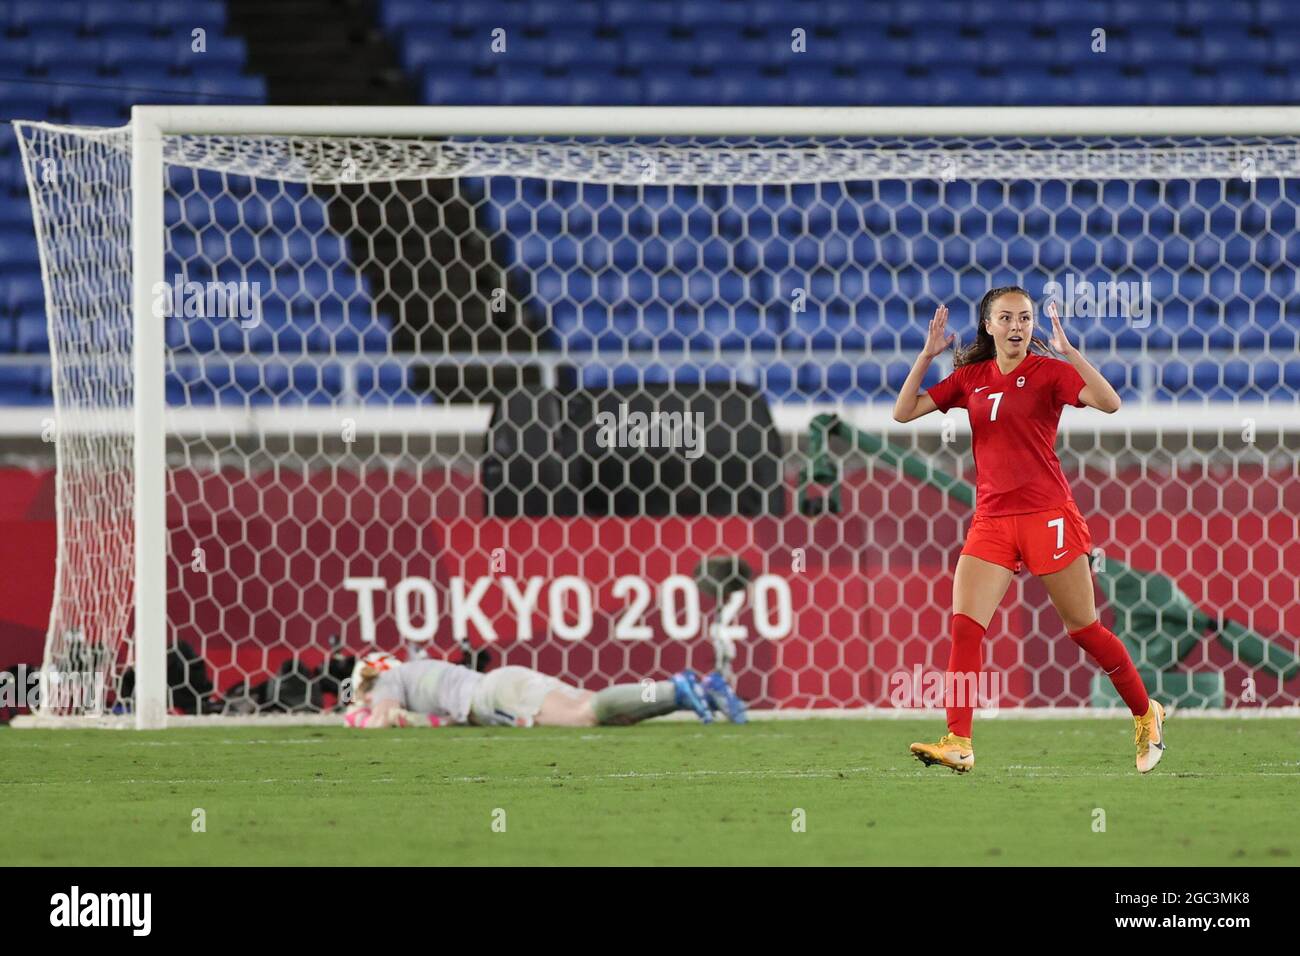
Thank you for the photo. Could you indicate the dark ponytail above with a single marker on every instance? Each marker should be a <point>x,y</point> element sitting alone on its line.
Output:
<point>983,349</point>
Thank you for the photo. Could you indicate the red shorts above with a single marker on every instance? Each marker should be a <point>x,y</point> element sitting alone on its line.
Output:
<point>1045,542</point>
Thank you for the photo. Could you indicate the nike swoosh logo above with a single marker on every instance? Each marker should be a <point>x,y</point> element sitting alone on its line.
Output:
<point>1058,557</point>
<point>980,389</point>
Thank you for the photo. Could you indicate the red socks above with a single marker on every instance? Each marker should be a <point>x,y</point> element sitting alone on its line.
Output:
<point>966,659</point>
<point>964,663</point>
<point>1108,652</point>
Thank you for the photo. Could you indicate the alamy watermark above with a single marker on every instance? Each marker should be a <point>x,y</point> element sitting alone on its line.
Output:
<point>1117,299</point>
<point>209,300</point>
<point>80,692</point>
<point>629,429</point>
<point>78,908</point>
<point>930,690</point>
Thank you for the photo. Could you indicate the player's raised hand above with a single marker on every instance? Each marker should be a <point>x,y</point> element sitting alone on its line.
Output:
<point>1059,342</point>
<point>938,338</point>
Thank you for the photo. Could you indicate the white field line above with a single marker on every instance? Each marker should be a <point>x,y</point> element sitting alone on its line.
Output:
<point>1015,771</point>
<point>424,738</point>
<point>814,713</point>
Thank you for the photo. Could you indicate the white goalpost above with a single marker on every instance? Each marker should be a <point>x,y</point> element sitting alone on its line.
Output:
<point>284,341</point>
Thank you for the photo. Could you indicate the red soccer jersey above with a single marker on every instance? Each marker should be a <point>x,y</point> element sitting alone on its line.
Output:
<point>1013,421</point>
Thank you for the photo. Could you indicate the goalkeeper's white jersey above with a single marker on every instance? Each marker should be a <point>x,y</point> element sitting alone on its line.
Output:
<point>429,687</point>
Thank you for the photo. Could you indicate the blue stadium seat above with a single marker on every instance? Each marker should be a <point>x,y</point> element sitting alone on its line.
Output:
<point>440,49</point>
<point>20,292</point>
<point>639,13</point>
<point>1015,46</point>
<point>817,85</point>
<point>818,327</point>
<point>405,16</point>
<point>718,13</point>
<point>188,386</point>
<point>896,374</point>
<point>313,384</point>
<point>461,88</point>
<point>655,46</point>
<point>31,333</point>
<point>1211,15</point>
<point>655,373</point>
<point>777,381</point>
<point>869,46</point>
<point>522,84</point>
<point>25,16</point>
<point>1147,44</point>
<point>32,94</point>
<point>1234,43</point>
<point>128,31</point>
<point>585,47</point>
<point>1123,377</point>
<point>97,113</point>
<point>349,329</point>
<point>115,51</point>
<point>967,85</point>
<point>510,15</point>
<point>86,98</point>
<point>749,87</point>
<point>46,35</point>
<point>184,17</point>
<point>18,249</point>
<point>1070,41</point>
<point>24,385</point>
<point>13,60</point>
<point>250,384</point>
<point>679,85</point>
<point>945,44</point>
<point>1269,12</point>
<point>194,334</point>
<point>1165,12</point>
<point>254,385</point>
<point>575,13</point>
<point>250,89</point>
<point>1283,44</point>
<point>387,383</point>
<point>103,16</point>
<point>592,87</point>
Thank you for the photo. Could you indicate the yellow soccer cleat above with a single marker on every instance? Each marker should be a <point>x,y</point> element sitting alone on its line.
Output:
<point>1149,737</point>
<point>951,751</point>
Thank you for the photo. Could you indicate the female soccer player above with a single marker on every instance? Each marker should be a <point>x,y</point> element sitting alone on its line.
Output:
<point>388,692</point>
<point>1013,391</point>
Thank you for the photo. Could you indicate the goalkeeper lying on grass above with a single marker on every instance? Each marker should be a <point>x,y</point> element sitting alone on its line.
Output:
<point>430,693</point>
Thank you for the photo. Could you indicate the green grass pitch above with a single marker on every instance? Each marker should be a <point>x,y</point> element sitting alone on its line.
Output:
<point>660,793</point>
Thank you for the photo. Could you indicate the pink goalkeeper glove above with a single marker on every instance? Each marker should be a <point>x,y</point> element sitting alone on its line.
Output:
<point>408,718</point>
<point>397,718</point>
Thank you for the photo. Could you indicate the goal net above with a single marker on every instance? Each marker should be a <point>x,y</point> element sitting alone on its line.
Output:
<point>613,406</point>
